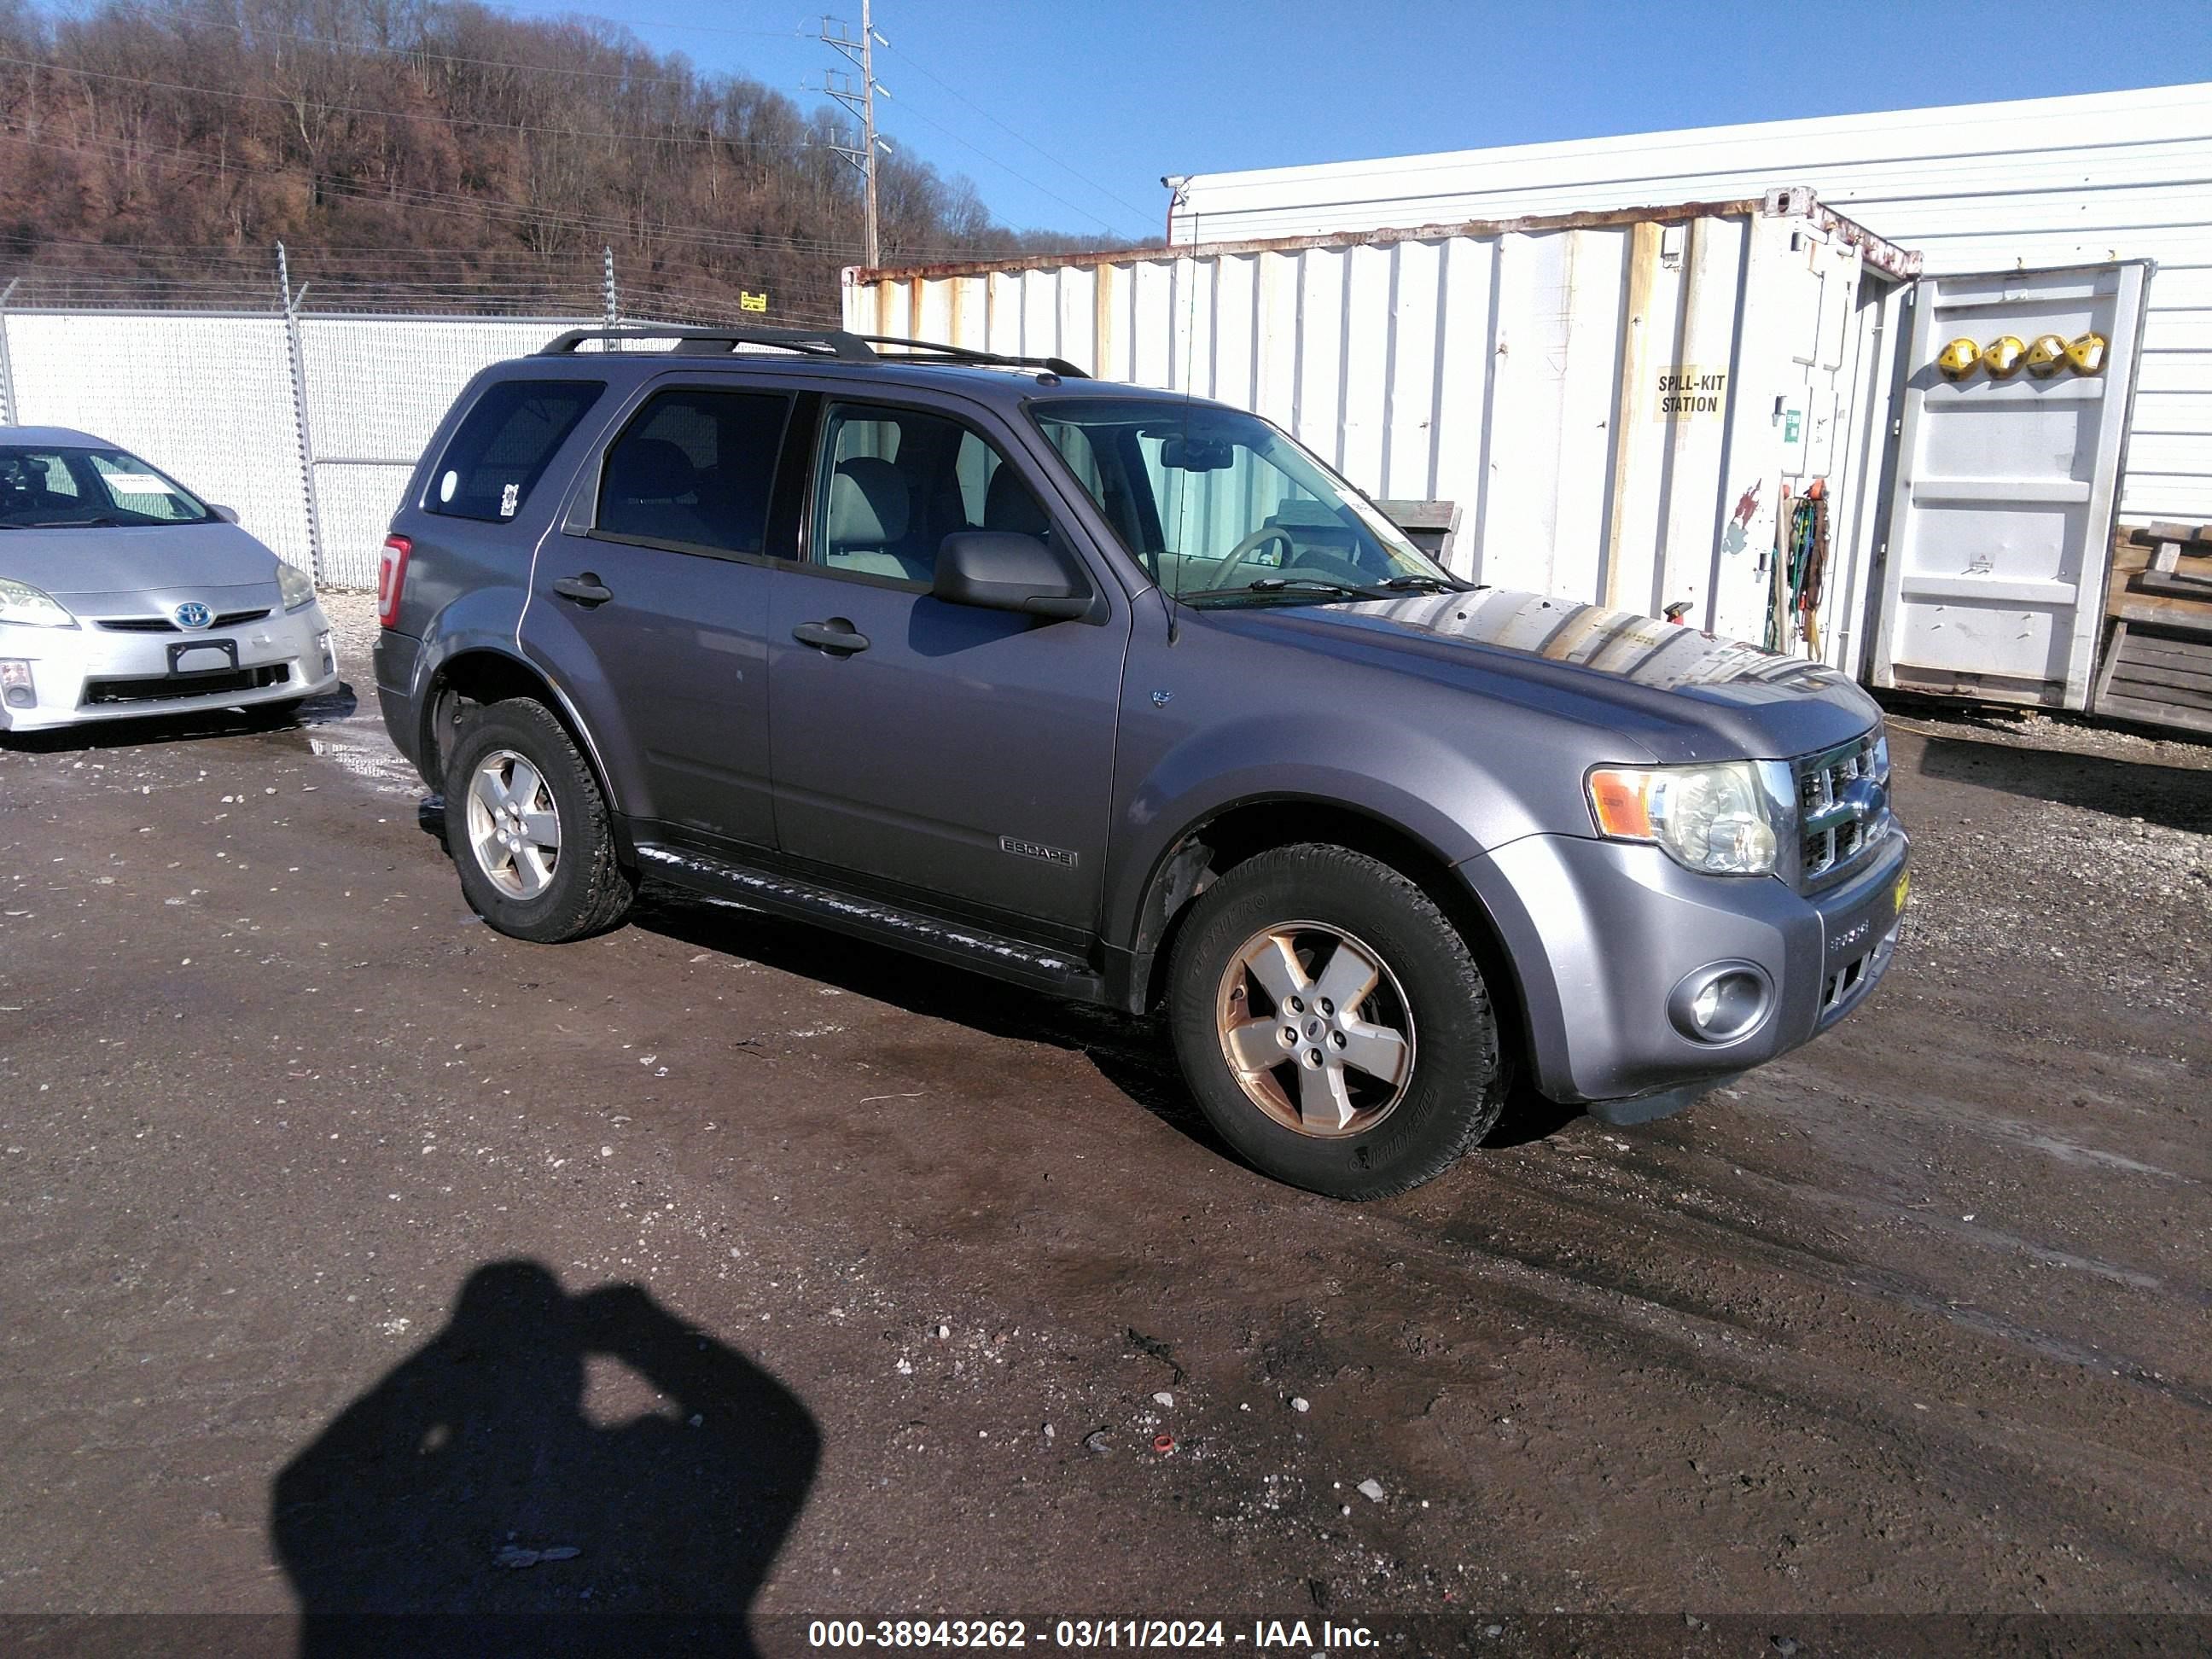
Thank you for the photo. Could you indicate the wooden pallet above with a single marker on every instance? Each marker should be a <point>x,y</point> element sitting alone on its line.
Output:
<point>2157,660</point>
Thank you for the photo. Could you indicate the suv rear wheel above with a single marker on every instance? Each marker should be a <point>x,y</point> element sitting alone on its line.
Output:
<point>1333,1024</point>
<point>527,827</point>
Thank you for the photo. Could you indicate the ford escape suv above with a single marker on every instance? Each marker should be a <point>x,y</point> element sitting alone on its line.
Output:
<point>1123,696</point>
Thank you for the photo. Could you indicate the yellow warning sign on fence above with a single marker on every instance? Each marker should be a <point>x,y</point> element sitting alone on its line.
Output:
<point>752,301</point>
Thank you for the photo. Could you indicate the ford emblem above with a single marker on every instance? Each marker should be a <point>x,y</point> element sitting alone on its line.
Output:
<point>1864,797</point>
<point>192,614</point>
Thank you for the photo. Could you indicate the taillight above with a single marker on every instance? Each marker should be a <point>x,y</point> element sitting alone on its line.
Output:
<point>391,577</point>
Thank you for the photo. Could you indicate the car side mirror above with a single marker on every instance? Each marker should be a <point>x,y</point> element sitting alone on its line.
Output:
<point>999,570</point>
<point>228,514</point>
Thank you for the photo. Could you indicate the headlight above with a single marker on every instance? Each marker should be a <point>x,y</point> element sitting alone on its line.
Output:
<point>20,602</point>
<point>294,587</point>
<point>1725,819</point>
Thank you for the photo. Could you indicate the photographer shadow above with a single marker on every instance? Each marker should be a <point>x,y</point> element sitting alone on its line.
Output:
<point>468,1503</point>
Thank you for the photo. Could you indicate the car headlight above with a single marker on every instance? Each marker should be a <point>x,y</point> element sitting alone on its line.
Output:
<point>22,603</point>
<point>294,585</point>
<point>1725,819</point>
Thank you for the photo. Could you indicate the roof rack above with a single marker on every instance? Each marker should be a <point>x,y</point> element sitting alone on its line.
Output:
<point>832,342</point>
<point>969,355</point>
<point>812,341</point>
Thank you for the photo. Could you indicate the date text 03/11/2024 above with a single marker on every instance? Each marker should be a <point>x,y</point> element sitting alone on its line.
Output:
<point>1259,1635</point>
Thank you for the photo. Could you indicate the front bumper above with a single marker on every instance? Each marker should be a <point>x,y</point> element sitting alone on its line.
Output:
<point>91,673</point>
<point>1601,934</point>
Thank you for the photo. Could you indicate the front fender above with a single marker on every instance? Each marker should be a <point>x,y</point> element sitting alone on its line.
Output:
<point>1404,777</point>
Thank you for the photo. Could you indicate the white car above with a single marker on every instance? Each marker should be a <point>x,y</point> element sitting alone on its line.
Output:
<point>122,593</point>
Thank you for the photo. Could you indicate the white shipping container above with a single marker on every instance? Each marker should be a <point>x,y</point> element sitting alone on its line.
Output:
<point>1615,401</point>
<point>2022,185</point>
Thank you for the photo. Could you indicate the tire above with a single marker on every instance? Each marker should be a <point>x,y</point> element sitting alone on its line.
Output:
<point>527,887</point>
<point>1383,1130</point>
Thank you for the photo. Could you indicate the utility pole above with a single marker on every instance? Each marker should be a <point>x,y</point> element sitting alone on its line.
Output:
<point>860,104</point>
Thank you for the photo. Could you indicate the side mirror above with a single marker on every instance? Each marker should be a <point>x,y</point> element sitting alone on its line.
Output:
<point>997,570</point>
<point>228,514</point>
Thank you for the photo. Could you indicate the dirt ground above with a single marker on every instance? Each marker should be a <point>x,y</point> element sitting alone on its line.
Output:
<point>353,1255</point>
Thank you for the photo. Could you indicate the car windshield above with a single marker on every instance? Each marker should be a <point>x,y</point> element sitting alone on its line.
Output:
<point>68,487</point>
<point>1222,509</point>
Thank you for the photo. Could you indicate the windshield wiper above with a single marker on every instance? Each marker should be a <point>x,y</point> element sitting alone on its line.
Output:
<point>1424,584</point>
<point>1309,585</point>
<point>103,522</point>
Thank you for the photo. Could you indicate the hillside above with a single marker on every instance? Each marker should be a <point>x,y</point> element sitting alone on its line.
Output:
<point>428,154</point>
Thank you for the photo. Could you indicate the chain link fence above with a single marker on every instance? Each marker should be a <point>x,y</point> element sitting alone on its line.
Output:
<point>306,417</point>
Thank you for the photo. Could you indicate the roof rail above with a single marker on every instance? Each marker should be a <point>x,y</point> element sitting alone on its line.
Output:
<point>811,342</point>
<point>833,343</point>
<point>969,355</point>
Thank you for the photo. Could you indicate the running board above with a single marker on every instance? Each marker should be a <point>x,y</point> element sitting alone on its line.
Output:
<point>1035,966</point>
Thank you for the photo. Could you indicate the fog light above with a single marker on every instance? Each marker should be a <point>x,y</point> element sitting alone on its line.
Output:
<point>330,662</point>
<point>16,685</point>
<point>1722,1002</point>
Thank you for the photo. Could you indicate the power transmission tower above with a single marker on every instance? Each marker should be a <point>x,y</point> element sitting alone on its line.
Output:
<point>860,103</point>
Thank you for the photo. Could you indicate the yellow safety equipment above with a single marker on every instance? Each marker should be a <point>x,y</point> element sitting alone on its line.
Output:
<point>2002,355</point>
<point>2047,356</point>
<point>2086,353</point>
<point>1957,360</point>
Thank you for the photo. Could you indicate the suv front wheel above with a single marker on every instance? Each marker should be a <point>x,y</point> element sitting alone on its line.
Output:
<point>527,827</point>
<point>1333,1024</point>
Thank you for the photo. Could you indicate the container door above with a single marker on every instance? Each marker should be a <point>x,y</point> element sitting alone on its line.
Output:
<point>2016,409</point>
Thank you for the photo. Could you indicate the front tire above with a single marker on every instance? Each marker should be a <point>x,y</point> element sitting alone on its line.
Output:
<point>1332,1025</point>
<point>528,829</point>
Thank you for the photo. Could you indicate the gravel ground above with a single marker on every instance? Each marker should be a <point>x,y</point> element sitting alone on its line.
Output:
<point>357,1257</point>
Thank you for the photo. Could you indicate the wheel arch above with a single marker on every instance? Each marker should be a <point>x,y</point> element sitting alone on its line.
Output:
<point>482,675</point>
<point>1225,836</point>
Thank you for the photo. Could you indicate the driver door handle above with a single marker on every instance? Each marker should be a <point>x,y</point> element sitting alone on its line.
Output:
<point>837,636</point>
<point>585,589</point>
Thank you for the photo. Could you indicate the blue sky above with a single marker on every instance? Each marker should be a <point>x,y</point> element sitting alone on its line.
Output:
<point>1067,114</point>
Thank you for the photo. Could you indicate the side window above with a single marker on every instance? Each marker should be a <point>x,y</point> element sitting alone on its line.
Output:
<point>894,484</point>
<point>694,469</point>
<point>504,444</point>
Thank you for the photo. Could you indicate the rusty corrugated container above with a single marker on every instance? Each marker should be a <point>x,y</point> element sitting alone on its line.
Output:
<point>1616,400</point>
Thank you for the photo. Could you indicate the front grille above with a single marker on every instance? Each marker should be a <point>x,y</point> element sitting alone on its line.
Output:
<point>1843,808</point>
<point>172,687</point>
<point>163,625</point>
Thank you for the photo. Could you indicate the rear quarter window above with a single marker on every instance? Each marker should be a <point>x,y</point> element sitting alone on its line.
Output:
<point>504,444</point>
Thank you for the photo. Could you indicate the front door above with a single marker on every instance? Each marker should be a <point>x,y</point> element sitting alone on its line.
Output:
<point>947,755</point>
<point>659,586</point>
<point>2000,532</point>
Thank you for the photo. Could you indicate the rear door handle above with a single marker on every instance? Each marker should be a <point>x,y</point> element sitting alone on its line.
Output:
<point>585,589</point>
<point>836,636</point>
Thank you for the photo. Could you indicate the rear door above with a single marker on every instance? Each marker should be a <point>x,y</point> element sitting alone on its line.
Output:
<point>953,756</point>
<point>2001,524</point>
<point>652,597</point>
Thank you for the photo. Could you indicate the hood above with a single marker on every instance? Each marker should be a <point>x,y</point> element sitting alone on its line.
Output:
<point>1726,696</point>
<point>113,565</point>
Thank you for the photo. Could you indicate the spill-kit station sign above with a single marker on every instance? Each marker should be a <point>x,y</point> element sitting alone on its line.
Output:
<point>1686,391</point>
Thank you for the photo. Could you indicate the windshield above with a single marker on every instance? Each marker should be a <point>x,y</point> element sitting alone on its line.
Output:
<point>1221,509</point>
<point>69,488</point>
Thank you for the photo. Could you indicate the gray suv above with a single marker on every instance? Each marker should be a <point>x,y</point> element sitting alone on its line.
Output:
<point>1123,696</point>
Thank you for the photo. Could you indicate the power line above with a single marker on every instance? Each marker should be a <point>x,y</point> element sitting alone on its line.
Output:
<point>1141,213</point>
<point>1005,168</point>
<point>415,53</point>
<point>518,215</point>
<point>396,114</point>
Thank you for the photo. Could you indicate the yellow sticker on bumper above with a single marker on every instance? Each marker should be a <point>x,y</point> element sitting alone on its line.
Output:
<point>1904,890</point>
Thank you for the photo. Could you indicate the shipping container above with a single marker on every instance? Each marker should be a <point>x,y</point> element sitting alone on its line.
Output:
<point>1616,402</point>
<point>2099,179</point>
